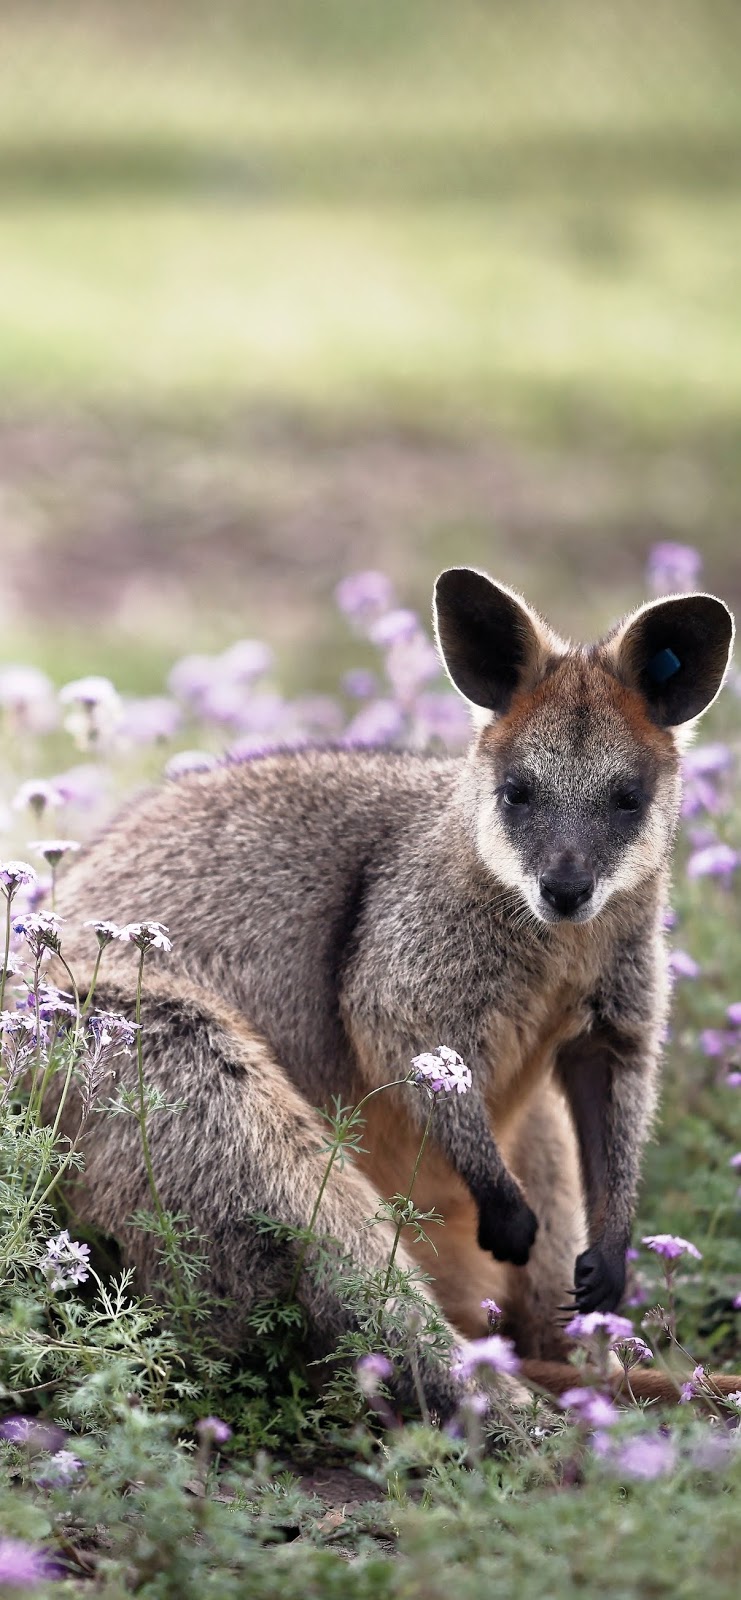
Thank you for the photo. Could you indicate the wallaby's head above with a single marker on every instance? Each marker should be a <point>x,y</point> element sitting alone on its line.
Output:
<point>575,765</point>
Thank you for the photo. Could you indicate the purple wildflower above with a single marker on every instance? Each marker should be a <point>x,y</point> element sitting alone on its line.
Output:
<point>604,1325</point>
<point>246,660</point>
<point>94,711</point>
<point>410,664</point>
<point>14,875</point>
<point>683,965</point>
<point>53,849</point>
<point>40,929</point>
<point>27,698</point>
<point>22,1567</point>
<point>647,1456</point>
<point>670,1246</point>
<point>379,722</point>
<point>734,1014</point>
<point>496,1353</point>
<point>714,1041</point>
<point>363,596</point>
<point>105,931</point>
<point>370,1370</point>
<point>733,1080</point>
<point>737,1302</point>
<point>714,860</point>
<point>442,1069</point>
<point>631,1351</point>
<point>152,719</point>
<point>493,1313</point>
<point>673,568</point>
<point>146,935</point>
<point>66,1261</point>
<point>359,683</point>
<point>595,1410</point>
<point>38,795</point>
<point>213,1430</point>
<point>59,1471</point>
<point>189,761</point>
<point>31,1433</point>
<point>395,627</point>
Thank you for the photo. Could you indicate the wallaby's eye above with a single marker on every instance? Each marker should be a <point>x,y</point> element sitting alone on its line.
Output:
<point>516,796</point>
<point>627,801</point>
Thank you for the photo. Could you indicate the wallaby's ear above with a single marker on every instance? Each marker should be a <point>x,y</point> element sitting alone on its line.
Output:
<point>491,642</point>
<point>675,653</point>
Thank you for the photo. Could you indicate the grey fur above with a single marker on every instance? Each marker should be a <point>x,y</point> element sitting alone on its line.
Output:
<point>334,913</point>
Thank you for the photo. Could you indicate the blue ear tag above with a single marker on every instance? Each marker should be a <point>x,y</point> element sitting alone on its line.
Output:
<point>663,666</point>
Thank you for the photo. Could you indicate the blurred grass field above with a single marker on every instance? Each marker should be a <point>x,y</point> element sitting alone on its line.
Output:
<point>290,288</point>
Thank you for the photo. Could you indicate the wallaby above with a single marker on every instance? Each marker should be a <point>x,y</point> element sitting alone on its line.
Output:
<point>334,912</point>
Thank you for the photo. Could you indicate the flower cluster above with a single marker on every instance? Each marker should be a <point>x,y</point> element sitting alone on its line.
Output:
<point>442,1070</point>
<point>66,1261</point>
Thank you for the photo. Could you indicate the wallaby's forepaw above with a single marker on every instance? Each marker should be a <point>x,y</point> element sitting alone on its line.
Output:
<point>599,1280</point>
<point>507,1226</point>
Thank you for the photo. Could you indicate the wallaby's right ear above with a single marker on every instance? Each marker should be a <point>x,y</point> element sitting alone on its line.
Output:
<point>491,642</point>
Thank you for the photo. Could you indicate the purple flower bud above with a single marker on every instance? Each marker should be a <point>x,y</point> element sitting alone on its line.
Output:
<point>213,1430</point>
<point>602,1325</point>
<point>734,1014</point>
<point>714,1042</point>
<point>370,1370</point>
<point>359,684</point>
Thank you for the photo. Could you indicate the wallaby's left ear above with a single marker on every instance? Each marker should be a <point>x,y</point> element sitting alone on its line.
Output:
<point>675,653</point>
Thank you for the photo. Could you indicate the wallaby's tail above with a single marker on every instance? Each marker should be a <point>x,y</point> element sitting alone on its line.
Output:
<point>665,1387</point>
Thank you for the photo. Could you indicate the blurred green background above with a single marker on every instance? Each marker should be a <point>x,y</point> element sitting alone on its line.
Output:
<point>288,289</point>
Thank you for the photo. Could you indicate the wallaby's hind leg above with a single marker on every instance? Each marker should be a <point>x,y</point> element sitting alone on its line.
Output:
<point>545,1158</point>
<point>244,1142</point>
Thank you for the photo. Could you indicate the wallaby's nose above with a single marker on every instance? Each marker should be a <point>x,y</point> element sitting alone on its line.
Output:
<point>566,888</point>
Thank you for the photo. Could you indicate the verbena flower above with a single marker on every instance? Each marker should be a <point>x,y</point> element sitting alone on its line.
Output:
<point>604,1325</point>
<point>370,1370</point>
<point>28,699</point>
<point>394,627</point>
<point>631,1351</point>
<point>53,849</point>
<point>493,1313</point>
<point>104,931</point>
<point>594,1409</point>
<point>495,1353</point>
<point>670,1246</point>
<point>733,1014</point>
<point>14,875</point>
<point>40,929</point>
<point>673,568</point>
<point>735,1161</point>
<point>363,596</point>
<point>94,711</point>
<point>146,935</point>
<point>60,1470</point>
<point>647,1456</point>
<point>359,683</point>
<point>442,1069</point>
<point>38,795</point>
<point>213,1430</point>
<point>31,1433</point>
<point>22,1567</point>
<point>714,860</point>
<point>151,719</point>
<point>379,722</point>
<point>683,965</point>
<point>189,761</point>
<point>66,1261</point>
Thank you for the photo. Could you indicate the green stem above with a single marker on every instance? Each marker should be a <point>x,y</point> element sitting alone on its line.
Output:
<point>3,980</point>
<point>334,1152</point>
<point>401,1219</point>
<point>162,1217</point>
<point>142,1100</point>
<point>91,991</point>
